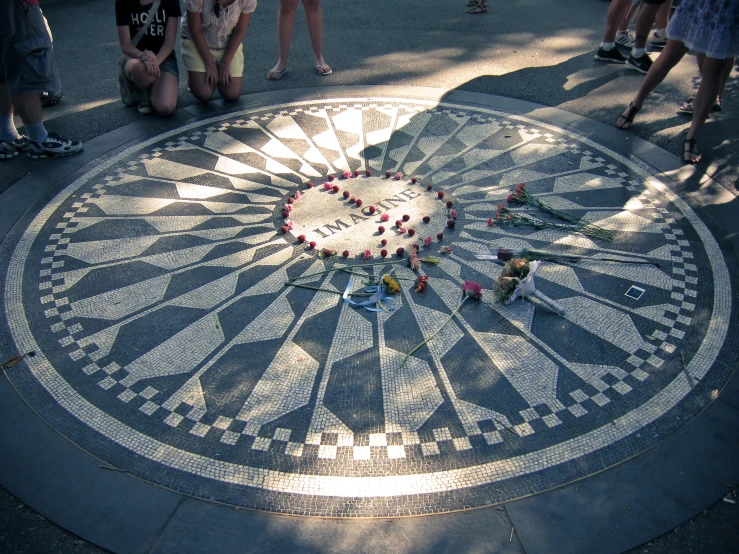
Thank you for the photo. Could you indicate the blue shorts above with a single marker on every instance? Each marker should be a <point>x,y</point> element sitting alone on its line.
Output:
<point>26,54</point>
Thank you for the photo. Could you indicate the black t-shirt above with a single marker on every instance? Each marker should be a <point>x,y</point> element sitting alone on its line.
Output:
<point>133,14</point>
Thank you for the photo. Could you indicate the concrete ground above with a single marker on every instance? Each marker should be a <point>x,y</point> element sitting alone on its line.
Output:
<point>536,50</point>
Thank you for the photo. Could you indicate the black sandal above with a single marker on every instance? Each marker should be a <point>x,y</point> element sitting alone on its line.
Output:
<point>478,8</point>
<point>624,121</point>
<point>690,151</point>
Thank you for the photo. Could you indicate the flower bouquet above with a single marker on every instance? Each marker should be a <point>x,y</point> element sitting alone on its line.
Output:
<point>520,196</point>
<point>517,280</point>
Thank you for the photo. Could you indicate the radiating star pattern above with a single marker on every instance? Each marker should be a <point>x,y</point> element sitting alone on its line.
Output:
<point>155,287</point>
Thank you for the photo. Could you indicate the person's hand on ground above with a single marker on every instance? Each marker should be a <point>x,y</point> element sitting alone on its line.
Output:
<point>224,73</point>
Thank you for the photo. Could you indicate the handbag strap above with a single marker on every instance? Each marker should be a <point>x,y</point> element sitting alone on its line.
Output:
<point>142,30</point>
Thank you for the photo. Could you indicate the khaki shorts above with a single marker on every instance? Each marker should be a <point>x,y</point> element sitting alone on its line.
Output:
<point>193,62</point>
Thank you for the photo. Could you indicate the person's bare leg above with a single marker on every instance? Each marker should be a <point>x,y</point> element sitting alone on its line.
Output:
<point>704,99</point>
<point>643,24</point>
<point>628,16</point>
<point>29,107</point>
<point>285,25</point>
<point>314,19</point>
<point>6,105</point>
<point>614,16</point>
<point>164,94</point>
<point>232,91</point>
<point>136,71</point>
<point>199,86</point>
<point>724,77</point>
<point>662,19</point>
<point>670,57</point>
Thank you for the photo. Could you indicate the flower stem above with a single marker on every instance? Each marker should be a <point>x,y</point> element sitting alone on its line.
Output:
<point>349,267</point>
<point>291,284</point>
<point>436,332</point>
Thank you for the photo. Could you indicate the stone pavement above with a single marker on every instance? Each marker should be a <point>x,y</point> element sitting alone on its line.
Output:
<point>151,284</point>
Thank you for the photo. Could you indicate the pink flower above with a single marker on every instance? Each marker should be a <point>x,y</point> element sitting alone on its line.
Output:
<point>384,217</point>
<point>398,176</point>
<point>453,214</point>
<point>490,222</point>
<point>290,224</point>
<point>298,194</point>
<point>511,198</point>
<point>401,230</point>
<point>327,186</point>
<point>519,188</point>
<point>288,207</point>
<point>347,175</point>
<point>472,289</point>
<point>367,254</point>
<point>421,283</point>
<point>427,241</point>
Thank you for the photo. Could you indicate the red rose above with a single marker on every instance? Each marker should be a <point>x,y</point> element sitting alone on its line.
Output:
<point>411,232</point>
<point>406,217</point>
<point>331,177</point>
<point>511,198</point>
<point>335,188</point>
<point>440,236</point>
<point>301,239</point>
<point>346,253</point>
<point>387,174</point>
<point>383,242</point>
<point>285,214</point>
<point>356,173</point>
<point>381,229</point>
<point>359,202</point>
<point>450,223</point>
<point>383,253</point>
<point>309,185</point>
<point>327,253</point>
<point>490,222</point>
<point>449,204</point>
<point>312,244</point>
<point>346,194</point>
<point>400,252</point>
<point>368,173</point>
<point>285,229</point>
<point>290,200</point>
<point>429,187</point>
<point>414,180</point>
<point>440,194</point>
<point>372,209</point>
<point>426,219</point>
<point>398,223</point>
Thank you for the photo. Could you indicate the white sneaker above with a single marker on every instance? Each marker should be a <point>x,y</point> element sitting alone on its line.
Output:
<point>625,39</point>
<point>145,106</point>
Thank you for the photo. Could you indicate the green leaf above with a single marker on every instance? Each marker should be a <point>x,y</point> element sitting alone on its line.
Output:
<point>430,260</point>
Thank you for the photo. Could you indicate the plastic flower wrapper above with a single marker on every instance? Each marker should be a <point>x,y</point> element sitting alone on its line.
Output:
<point>517,281</point>
<point>470,289</point>
<point>445,250</point>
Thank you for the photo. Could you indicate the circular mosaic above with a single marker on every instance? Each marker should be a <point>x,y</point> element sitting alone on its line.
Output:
<point>153,289</point>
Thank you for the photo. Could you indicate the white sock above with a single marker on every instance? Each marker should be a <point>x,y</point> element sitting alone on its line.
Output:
<point>36,132</point>
<point>638,52</point>
<point>8,132</point>
<point>607,45</point>
<point>622,33</point>
<point>660,33</point>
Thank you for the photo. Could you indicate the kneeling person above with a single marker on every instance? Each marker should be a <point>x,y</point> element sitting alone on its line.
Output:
<point>211,46</point>
<point>147,32</point>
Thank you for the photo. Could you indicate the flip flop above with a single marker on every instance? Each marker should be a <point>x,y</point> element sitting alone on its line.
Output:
<point>276,74</point>
<point>324,69</point>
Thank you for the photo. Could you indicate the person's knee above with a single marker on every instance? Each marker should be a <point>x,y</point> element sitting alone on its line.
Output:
<point>231,96</point>
<point>288,5</point>
<point>137,72</point>
<point>202,94</point>
<point>166,107</point>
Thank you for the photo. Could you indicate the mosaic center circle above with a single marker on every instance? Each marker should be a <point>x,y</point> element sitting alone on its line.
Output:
<point>338,223</point>
<point>156,288</point>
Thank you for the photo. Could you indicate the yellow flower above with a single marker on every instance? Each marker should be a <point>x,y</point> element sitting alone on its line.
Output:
<point>390,284</point>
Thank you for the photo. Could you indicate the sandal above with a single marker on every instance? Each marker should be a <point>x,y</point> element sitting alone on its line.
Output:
<point>324,69</point>
<point>624,121</point>
<point>688,107</point>
<point>691,151</point>
<point>478,8</point>
<point>276,74</point>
